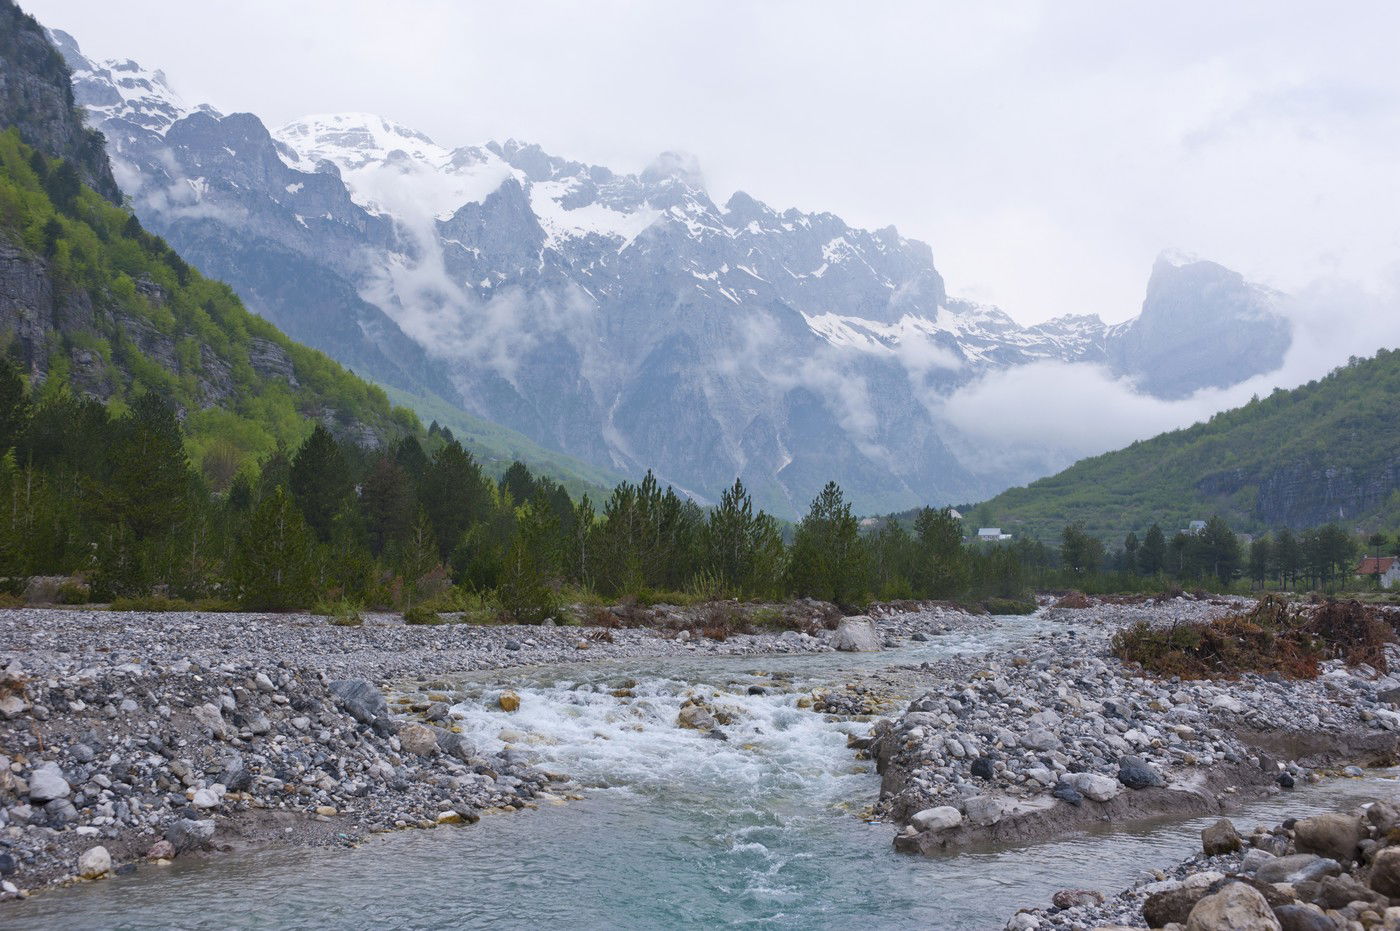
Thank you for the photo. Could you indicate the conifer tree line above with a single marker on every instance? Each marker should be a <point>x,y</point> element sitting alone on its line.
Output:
<point>113,497</point>
<point>1315,558</point>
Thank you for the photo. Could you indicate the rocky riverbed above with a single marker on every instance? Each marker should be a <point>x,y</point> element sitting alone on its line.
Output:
<point>1338,871</point>
<point>152,736</point>
<point>1014,748</point>
<point>155,735</point>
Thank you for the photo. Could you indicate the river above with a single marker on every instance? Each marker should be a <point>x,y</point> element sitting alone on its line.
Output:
<point>677,830</point>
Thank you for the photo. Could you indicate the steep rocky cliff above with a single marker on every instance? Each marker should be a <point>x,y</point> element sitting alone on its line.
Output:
<point>36,95</point>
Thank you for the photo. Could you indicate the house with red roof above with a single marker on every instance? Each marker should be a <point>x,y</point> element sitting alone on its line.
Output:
<point>1387,567</point>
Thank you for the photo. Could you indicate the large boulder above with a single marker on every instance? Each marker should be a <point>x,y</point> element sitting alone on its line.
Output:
<point>188,834</point>
<point>46,783</point>
<point>94,863</point>
<point>455,745</point>
<point>1171,906</point>
<point>418,739</point>
<point>1236,907</point>
<point>1095,786</point>
<point>1385,872</point>
<point>1296,868</point>
<point>1299,917</point>
<point>1220,837</point>
<point>1331,835</point>
<point>696,718</point>
<point>1135,774</point>
<point>363,702</point>
<point>984,810</point>
<point>856,635</point>
<point>937,819</point>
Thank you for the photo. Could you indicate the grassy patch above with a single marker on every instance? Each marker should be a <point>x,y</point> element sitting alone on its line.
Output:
<point>160,603</point>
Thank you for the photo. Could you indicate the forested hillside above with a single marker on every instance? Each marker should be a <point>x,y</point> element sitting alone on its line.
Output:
<point>1327,451</point>
<point>95,305</point>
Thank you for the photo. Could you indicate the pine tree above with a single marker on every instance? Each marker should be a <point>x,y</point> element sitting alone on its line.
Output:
<point>1261,556</point>
<point>275,566</point>
<point>529,573</point>
<point>1219,549</point>
<point>518,482</point>
<point>1288,558</point>
<point>828,560</point>
<point>389,505</point>
<point>1130,552</point>
<point>1080,552</point>
<point>942,571</point>
<point>1152,556</point>
<point>455,494</point>
<point>148,480</point>
<point>320,481</point>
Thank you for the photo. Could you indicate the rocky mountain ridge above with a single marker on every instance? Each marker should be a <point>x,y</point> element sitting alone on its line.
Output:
<point>626,319</point>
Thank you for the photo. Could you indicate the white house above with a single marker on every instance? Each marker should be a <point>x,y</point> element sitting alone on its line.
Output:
<point>1386,567</point>
<point>1194,528</point>
<point>991,535</point>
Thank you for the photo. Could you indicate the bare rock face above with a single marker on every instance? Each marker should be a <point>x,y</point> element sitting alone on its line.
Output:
<point>856,635</point>
<point>36,94</point>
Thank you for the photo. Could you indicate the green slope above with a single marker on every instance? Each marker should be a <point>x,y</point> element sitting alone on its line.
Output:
<point>497,446</point>
<point>1329,450</point>
<point>99,306</point>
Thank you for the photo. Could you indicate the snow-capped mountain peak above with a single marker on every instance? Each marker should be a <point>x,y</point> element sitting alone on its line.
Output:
<point>123,89</point>
<point>626,319</point>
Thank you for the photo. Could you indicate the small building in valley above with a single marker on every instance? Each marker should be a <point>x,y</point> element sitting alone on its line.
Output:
<point>991,535</point>
<point>1386,567</point>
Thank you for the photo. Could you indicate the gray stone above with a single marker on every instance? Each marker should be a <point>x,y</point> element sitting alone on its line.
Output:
<point>985,810</point>
<point>1220,837</point>
<point>940,818</point>
<point>188,834</point>
<point>455,745</point>
<point>856,635</point>
<point>94,863</point>
<point>1236,907</point>
<point>363,702</point>
<point>1296,916</point>
<point>1093,786</point>
<point>1332,835</point>
<point>211,717</point>
<point>1135,774</point>
<point>46,783</point>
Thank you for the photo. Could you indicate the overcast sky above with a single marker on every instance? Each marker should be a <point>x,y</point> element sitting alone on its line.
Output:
<point>1046,151</point>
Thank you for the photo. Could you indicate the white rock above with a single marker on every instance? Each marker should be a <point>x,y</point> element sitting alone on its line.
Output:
<point>46,783</point>
<point>856,635</point>
<point>1094,786</point>
<point>984,810</point>
<point>94,863</point>
<point>1228,703</point>
<point>937,819</point>
<point>205,798</point>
